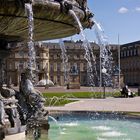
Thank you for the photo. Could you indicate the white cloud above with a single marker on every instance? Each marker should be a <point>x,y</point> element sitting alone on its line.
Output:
<point>123,10</point>
<point>137,9</point>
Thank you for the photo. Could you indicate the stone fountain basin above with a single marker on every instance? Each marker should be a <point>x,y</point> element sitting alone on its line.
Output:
<point>49,21</point>
<point>18,136</point>
<point>15,130</point>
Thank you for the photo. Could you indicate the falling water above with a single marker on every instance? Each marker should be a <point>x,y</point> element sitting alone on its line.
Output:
<point>64,61</point>
<point>105,56</point>
<point>55,122</point>
<point>89,56</point>
<point>31,54</point>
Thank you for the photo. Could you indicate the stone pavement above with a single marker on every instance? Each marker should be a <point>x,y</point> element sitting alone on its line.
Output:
<point>108,104</point>
<point>82,89</point>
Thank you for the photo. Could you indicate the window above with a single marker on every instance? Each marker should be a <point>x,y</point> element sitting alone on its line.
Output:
<point>127,52</point>
<point>124,53</point>
<point>51,55</point>
<point>58,79</point>
<point>58,67</point>
<point>51,67</point>
<point>121,54</point>
<point>131,52</point>
<point>51,77</point>
<point>55,56</point>
<point>21,65</point>
<point>135,52</point>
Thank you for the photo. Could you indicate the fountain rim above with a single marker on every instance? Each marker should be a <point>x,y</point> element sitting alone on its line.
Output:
<point>63,18</point>
<point>127,114</point>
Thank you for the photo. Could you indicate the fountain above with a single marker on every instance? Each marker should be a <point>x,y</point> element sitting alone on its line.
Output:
<point>105,56</point>
<point>94,126</point>
<point>47,19</point>
<point>52,19</point>
<point>89,56</point>
<point>64,61</point>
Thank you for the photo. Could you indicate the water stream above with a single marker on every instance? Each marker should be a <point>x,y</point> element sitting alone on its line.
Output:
<point>64,61</point>
<point>56,122</point>
<point>105,56</point>
<point>89,56</point>
<point>31,53</point>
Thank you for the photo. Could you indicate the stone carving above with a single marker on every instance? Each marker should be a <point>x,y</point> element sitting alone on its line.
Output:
<point>33,98</point>
<point>8,105</point>
<point>47,14</point>
<point>74,69</point>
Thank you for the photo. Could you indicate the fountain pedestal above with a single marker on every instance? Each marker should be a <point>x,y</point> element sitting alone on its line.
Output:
<point>74,78</point>
<point>37,128</point>
<point>10,118</point>
<point>74,82</point>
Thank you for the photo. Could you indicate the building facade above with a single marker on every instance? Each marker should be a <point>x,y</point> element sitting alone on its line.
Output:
<point>17,62</point>
<point>130,63</point>
<point>49,60</point>
<point>75,54</point>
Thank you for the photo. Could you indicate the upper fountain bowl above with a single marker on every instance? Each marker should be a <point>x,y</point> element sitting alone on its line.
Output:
<point>52,19</point>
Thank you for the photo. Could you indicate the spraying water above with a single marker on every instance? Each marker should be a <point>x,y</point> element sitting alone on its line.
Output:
<point>31,53</point>
<point>55,122</point>
<point>89,56</point>
<point>105,56</point>
<point>64,61</point>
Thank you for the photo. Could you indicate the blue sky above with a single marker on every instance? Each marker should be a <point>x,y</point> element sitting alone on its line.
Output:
<point>116,17</point>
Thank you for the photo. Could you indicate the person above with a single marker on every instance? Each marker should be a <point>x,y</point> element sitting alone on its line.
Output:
<point>124,91</point>
<point>130,93</point>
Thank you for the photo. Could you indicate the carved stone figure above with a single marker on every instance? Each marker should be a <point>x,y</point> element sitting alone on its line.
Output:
<point>8,103</point>
<point>32,97</point>
<point>74,69</point>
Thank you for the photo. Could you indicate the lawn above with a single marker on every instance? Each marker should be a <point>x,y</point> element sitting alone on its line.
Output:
<point>80,94</point>
<point>62,98</point>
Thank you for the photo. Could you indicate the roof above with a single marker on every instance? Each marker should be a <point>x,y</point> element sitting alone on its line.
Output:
<point>131,44</point>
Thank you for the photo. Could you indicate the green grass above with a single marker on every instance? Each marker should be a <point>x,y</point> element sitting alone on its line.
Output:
<point>80,94</point>
<point>57,101</point>
<point>62,98</point>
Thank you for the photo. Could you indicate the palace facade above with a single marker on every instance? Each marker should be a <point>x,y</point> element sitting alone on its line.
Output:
<point>17,62</point>
<point>49,61</point>
<point>130,63</point>
<point>75,53</point>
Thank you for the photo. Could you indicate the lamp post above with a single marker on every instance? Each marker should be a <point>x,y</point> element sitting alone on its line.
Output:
<point>119,64</point>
